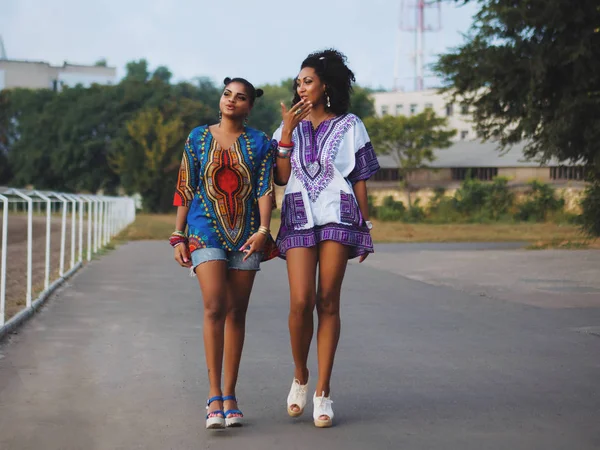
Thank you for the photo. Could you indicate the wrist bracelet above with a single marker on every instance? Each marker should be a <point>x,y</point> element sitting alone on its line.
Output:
<point>286,145</point>
<point>177,237</point>
<point>283,152</point>
<point>175,240</point>
<point>263,230</point>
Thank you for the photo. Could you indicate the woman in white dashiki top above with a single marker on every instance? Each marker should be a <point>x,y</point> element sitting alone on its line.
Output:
<point>324,157</point>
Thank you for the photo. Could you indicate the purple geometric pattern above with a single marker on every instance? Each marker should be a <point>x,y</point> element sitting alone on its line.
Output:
<point>349,211</point>
<point>315,152</point>
<point>357,238</point>
<point>293,211</point>
<point>366,164</point>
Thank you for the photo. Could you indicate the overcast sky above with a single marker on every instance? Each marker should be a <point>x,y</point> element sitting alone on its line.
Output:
<point>263,40</point>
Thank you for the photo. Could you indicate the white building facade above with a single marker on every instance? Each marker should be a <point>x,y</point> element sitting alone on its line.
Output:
<point>42,75</point>
<point>400,103</point>
<point>468,156</point>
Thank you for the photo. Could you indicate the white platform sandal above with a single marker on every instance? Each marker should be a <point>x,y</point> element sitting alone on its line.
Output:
<point>322,407</point>
<point>215,420</point>
<point>297,397</point>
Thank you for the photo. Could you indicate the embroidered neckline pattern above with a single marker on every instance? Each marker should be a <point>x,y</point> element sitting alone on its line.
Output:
<point>313,161</point>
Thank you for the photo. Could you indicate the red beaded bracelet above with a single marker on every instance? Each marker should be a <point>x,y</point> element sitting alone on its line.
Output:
<point>281,144</point>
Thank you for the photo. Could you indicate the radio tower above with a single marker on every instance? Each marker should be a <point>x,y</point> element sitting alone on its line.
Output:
<point>2,49</point>
<point>413,19</point>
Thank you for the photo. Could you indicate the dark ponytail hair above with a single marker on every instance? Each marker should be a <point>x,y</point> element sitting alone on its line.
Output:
<point>252,92</point>
<point>330,66</point>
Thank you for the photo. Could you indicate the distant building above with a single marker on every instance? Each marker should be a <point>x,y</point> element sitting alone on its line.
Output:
<point>468,156</point>
<point>42,75</point>
<point>482,161</point>
<point>400,103</point>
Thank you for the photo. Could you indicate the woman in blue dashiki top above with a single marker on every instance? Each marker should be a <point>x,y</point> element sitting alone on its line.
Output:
<point>224,197</point>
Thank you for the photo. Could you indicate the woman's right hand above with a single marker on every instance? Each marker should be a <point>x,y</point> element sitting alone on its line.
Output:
<point>182,255</point>
<point>293,117</point>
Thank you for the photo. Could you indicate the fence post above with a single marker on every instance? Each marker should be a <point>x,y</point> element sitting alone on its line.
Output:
<point>73,225</point>
<point>29,240</point>
<point>90,204</point>
<point>107,216</point>
<point>4,250</point>
<point>48,234</point>
<point>63,231</point>
<point>81,209</point>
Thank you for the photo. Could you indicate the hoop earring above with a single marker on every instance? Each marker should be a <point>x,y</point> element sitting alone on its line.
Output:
<point>246,121</point>
<point>220,117</point>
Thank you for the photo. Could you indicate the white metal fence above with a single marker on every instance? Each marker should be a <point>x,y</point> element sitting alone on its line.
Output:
<point>33,223</point>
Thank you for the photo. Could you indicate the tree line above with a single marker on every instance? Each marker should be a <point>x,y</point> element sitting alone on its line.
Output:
<point>120,138</point>
<point>529,71</point>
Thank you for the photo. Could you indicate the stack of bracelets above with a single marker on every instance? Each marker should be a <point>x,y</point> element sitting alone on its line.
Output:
<point>177,237</point>
<point>264,230</point>
<point>284,150</point>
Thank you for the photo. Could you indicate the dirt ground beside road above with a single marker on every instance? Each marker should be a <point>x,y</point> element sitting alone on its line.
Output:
<point>16,261</point>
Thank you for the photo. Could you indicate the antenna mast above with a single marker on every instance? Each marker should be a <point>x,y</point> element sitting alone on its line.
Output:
<point>413,19</point>
<point>2,49</point>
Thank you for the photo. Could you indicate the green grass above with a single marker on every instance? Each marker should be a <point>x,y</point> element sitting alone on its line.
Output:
<point>539,235</point>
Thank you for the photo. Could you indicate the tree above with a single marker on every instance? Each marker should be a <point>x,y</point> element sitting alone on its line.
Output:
<point>101,63</point>
<point>361,102</point>
<point>137,71</point>
<point>163,74</point>
<point>410,141</point>
<point>266,114</point>
<point>144,160</point>
<point>531,71</point>
<point>5,170</point>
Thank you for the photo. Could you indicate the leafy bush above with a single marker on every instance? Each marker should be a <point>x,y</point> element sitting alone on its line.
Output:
<point>442,209</point>
<point>471,196</point>
<point>590,207</point>
<point>499,199</point>
<point>372,207</point>
<point>541,201</point>
<point>416,213</point>
<point>483,202</point>
<point>389,215</point>
<point>391,210</point>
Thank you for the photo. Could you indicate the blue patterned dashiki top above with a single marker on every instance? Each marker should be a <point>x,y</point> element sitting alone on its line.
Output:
<point>222,187</point>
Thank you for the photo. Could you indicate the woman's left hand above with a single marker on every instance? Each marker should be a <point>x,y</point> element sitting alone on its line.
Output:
<point>363,257</point>
<point>255,243</point>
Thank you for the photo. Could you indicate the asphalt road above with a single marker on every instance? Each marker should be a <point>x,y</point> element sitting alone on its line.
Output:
<point>443,347</point>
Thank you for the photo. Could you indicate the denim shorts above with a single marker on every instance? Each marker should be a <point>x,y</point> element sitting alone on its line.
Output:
<point>235,259</point>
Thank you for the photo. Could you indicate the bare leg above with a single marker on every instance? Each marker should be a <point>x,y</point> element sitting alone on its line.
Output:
<point>302,268</point>
<point>239,287</point>
<point>212,276</point>
<point>333,259</point>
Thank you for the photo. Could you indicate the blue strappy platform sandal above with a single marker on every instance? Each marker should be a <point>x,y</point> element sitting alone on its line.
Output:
<point>233,421</point>
<point>214,421</point>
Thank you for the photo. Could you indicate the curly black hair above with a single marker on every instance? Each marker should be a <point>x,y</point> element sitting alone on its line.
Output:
<point>330,66</point>
<point>252,92</point>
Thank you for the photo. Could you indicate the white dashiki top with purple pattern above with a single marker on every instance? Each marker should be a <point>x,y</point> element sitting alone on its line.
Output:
<point>319,203</point>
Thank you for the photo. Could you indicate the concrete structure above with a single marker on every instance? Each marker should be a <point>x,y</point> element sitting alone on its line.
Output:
<point>42,75</point>
<point>468,155</point>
